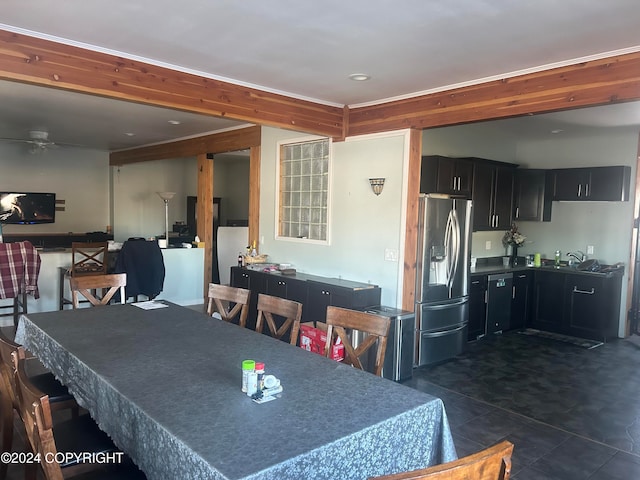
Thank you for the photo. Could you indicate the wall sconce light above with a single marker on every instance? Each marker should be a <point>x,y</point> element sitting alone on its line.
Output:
<point>376,185</point>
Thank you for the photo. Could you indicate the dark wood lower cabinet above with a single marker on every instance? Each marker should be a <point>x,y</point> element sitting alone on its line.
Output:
<point>577,304</point>
<point>477,307</point>
<point>314,292</point>
<point>584,305</point>
<point>548,306</point>
<point>521,299</point>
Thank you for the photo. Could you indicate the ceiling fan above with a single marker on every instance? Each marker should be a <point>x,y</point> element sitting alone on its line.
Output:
<point>38,141</point>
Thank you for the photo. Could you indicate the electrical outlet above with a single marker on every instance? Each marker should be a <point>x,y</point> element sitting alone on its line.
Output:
<point>589,249</point>
<point>487,245</point>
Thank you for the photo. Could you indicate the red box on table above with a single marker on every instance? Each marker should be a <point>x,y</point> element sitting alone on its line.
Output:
<point>313,336</point>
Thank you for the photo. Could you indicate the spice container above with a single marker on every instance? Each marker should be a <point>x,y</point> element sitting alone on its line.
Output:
<point>557,258</point>
<point>260,374</point>
<point>248,366</point>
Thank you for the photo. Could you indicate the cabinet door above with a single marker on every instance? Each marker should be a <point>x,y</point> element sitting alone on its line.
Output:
<point>586,306</point>
<point>492,197</point>
<point>503,197</point>
<point>320,296</point>
<point>499,293</point>
<point>570,183</point>
<point>521,300</point>
<point>531,200</point>
<point>462,176</point>
<point>477,307</point>
<point>482,196</point>
<point>548,306</point>
<point>446,175</point>
<point>609,184</point>
<point>276,287</point>
<point>250,280</point>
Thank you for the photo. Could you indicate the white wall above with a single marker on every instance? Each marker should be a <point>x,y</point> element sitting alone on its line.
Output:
<point>77,175</point>
<point>362,225</point>
<point>138,211</point>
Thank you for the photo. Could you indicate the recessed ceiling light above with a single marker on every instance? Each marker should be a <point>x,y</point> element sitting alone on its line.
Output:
<point>359,77</point>
<point>130,134</point>
<point>557,130</point>
<point>175,122</point>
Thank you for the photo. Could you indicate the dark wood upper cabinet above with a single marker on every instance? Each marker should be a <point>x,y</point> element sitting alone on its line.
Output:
<point>492,195</point>
<point>604,184</point>
<point>446,175</point>
<point>532,195</point>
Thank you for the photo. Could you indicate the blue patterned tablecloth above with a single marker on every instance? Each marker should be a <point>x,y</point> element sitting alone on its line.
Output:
<point>165,385</point>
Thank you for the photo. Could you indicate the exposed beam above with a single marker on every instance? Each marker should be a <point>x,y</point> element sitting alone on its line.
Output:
<point>598,82</point>
<point>254,195</point>
<point>51,64</point>
<point>204,215</point>
<point>411,228</point>
<point>230,141</point>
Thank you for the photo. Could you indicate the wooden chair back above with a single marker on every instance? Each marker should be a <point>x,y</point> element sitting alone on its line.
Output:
<point>89,258</point>
<point>493,463</point>
<point>107,284</point>
<point>340,320</point>
<point>229,302</point>
<point>8,395</point>
<point>35,411</point>
<point>291,311</point>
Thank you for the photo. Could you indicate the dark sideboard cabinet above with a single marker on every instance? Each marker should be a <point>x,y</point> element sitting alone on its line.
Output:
<point>314,292</point>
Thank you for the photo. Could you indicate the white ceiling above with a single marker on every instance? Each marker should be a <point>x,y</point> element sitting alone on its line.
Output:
<point>303,49</point>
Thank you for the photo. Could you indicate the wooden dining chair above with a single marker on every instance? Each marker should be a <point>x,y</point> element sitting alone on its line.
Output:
<point>87,258</point>
<point>88,285</point>
<point>342,320</point>
<point>270,306</point>
<point>79,435</point>
<point>59,396</point>
<point>493,463</point>
<point>229,302</point>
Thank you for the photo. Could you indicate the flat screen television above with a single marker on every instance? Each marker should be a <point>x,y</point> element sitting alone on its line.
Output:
<point>27,208</point>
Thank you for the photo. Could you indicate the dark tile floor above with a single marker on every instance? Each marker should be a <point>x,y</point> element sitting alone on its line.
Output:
<point>572,413</point>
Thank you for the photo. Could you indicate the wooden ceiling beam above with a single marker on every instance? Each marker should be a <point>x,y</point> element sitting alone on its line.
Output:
<point>597,82</point>
<point>229,141</point>
<point>51,64</point>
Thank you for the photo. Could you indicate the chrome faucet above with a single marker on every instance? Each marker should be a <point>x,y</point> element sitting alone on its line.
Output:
<point>577,255</point>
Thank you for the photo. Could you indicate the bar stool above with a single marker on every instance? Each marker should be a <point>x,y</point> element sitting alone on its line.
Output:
<point>87,258</point>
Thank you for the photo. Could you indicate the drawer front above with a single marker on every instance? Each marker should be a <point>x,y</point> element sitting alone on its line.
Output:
<point>440,346</point>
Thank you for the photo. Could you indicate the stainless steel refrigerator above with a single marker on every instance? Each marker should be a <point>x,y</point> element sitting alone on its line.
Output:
<point>442,280</point>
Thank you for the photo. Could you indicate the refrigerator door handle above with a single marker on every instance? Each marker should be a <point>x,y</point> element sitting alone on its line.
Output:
<point>448,245</point>
<point>454,257</point>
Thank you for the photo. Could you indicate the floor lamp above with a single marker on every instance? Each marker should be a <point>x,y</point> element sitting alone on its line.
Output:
<point>166,196</point>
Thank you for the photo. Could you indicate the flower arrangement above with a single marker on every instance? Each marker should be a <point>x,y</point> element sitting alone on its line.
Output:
<point>512,237</point>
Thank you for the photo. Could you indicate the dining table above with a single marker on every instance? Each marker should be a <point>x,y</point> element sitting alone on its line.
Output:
<point>165,384</point>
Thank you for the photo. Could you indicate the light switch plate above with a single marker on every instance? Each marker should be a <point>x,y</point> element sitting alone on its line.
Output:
<point>589,249</point>
<point>391,254</point>
<point>487,245</point>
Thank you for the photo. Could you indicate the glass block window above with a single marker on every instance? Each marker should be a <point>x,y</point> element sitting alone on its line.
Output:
<point>304,190</point>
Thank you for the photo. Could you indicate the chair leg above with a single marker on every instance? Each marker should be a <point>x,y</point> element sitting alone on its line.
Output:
<point>7,440</point>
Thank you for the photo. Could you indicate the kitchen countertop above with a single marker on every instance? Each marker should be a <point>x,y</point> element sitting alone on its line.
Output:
<point>491,267</point>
